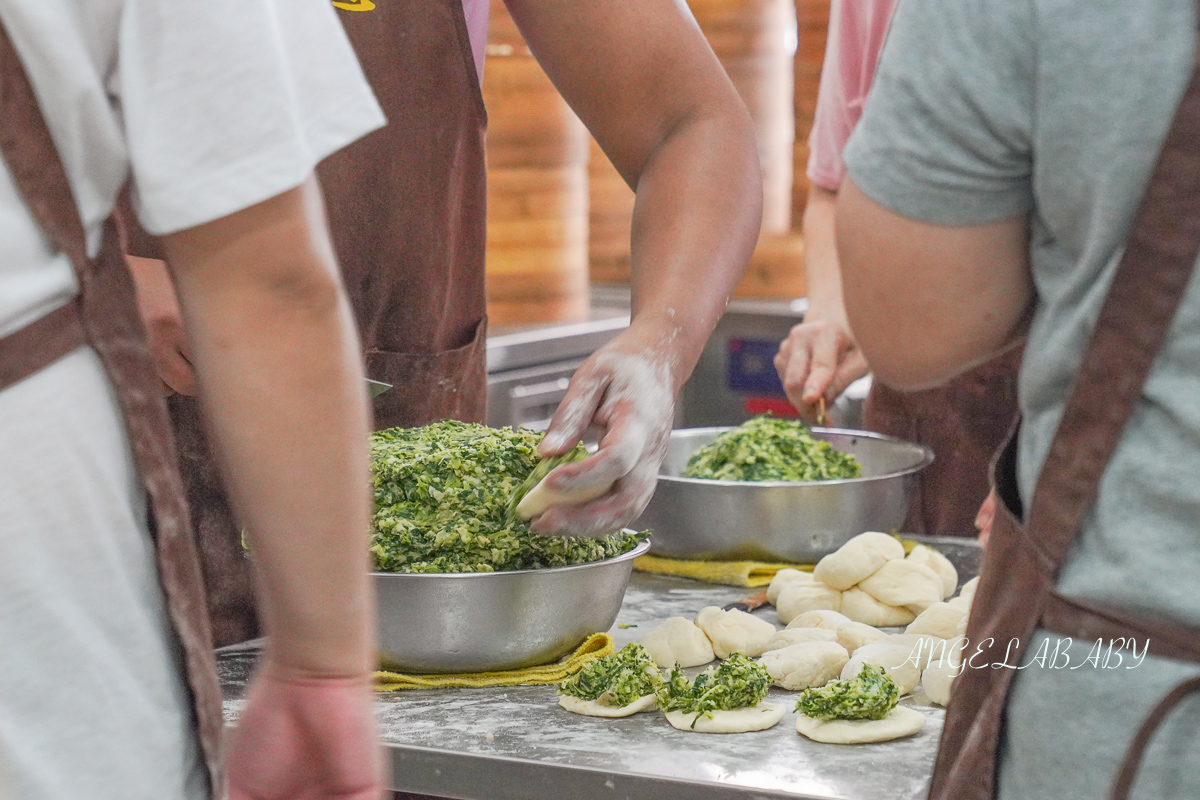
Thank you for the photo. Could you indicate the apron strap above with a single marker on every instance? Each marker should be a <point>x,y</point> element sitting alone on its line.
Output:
<point>1084,620</point>
<point>39,344</point>
<point>1137,748</point>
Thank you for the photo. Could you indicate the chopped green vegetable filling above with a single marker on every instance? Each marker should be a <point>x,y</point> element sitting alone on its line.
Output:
<point>767,448</point>
<point>441,500</point>
<point>737,683</point>
<point>615,680</point>
<point>870,694</point>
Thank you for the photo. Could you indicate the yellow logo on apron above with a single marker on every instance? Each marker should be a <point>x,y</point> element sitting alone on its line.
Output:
<point>355,5</point>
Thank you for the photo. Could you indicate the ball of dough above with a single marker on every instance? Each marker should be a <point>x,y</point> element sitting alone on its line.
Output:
<point>861,607</point>
<point>823,618</point>
<point>739,720</point>
<point>790,636</point>
<point>735,631</point>
<point>966,596</point>
<point>900,721</point>
<point>678,641</point>
<point>941,566</point>
<point>943,620</point>
<point>922,647</point>
<point>904,583</point>
<point>797,598</point>
<point>783,578</point>
<point>896,660</point>
<point>853,635</point>
<point>857,559</point>
<point>800,666</point>
<point>938,679</point>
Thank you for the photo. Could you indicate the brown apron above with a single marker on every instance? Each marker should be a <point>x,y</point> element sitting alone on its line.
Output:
<point>406,207</point>
<point>1016,593</point>
<point>104,317</point>
<point>964,423</point>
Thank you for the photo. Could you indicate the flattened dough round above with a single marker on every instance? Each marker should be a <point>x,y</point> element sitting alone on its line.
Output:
<point>859,606</point>
<point>941,565</point>
<point>904,583</point>
<point>857,559</point>
<point>678,641</point>
<point>740,720</point>
<point>943,620</point>
<point>593,708</point>
<point>798,598</point>
<point>853,635</point>
<point>735,631</point>
<point>822,618</point>
<point>790,636</point>
<point>783,578</point>
<point>801,666</point>
<point>896,660</point>
<point>900,721</point>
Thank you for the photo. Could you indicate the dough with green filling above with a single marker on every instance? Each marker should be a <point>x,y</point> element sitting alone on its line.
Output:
<point>739,720</point>
<point>595,708</point>
<point>899,722</point>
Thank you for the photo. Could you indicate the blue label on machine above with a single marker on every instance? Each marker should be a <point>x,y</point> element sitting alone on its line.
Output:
<point>752,367</point>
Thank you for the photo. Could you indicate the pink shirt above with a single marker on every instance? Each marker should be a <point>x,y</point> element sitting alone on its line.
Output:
<point>857,30</point>
<point>476,12</point>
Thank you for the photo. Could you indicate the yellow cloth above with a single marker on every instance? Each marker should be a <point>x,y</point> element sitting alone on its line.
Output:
<point>597,645</point>
<point>730,573</point>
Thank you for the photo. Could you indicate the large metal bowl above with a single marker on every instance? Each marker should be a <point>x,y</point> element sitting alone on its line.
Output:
<point>781,520</point>
<point>478,622</point>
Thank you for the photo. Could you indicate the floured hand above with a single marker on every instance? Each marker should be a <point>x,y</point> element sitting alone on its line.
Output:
<point>627,389</point>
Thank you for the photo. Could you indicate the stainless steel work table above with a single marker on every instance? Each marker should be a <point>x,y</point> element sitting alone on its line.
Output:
<point>515,743</point>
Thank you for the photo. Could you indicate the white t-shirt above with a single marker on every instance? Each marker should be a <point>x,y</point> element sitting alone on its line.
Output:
<point>210,106</point>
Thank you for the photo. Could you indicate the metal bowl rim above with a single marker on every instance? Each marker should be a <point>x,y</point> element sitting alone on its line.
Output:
<point>926,459</point>
<point>640,549</point>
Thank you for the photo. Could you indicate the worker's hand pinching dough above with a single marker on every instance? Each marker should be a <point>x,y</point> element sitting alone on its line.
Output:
<point>818,360</point>
<point>630,395</point>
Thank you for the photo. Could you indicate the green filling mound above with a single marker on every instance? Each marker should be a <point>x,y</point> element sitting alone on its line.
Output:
<point>767,448</point>
<point>870,694</point>
<point>615,680</point>
<point>737,683</point>
<point>441,502</point>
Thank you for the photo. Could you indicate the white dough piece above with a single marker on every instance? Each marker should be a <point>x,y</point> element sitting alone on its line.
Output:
<point>853,635</point>
<point>594,708</point>
<point>740,720</point>
<point>938,679</point>
<point>801,666</point>
<point>900,721</point>
<point>790,636</point>
<point>943,620</point>
<point>823,618</point>
<point>967,595</point>
<point>859,606</point>
<point>857,559</point>
<point>921,645</point>
<point>797,598</point>
<point>904,583</point>
<point>783,578</point>
<point>896,660</point>
<point>541,497</point>
<point>735,631</point>
<point>678,641</point>
<point>941,566</point>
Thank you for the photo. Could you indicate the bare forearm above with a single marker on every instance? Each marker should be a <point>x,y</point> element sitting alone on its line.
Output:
<point>282,387</point>
<point>691,240</point>
<point>821,267</point>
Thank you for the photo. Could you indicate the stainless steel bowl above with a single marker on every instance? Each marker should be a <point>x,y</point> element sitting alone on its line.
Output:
<point>781,520</point>
<point>478,622</point>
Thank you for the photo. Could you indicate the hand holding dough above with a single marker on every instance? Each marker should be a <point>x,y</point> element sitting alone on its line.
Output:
<point>735,631</point>
<point>783,578</point>
<point>896,660</point>
<point>857,559</point>
<point>853,635</point>
<point>941,566</point>
<point>900,721</point>
<point>904,583</point>
<point>739,720</point>
<point>798,597</point>
<point>943,620</point>
<point>790,636</point>
<point>821,618</point>
<point>542,497</point>
<point>801,666</point>
<point>861,607</point>
<point>678,641</point>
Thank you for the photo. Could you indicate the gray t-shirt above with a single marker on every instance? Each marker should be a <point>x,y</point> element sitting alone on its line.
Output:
<point>984,110</point>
